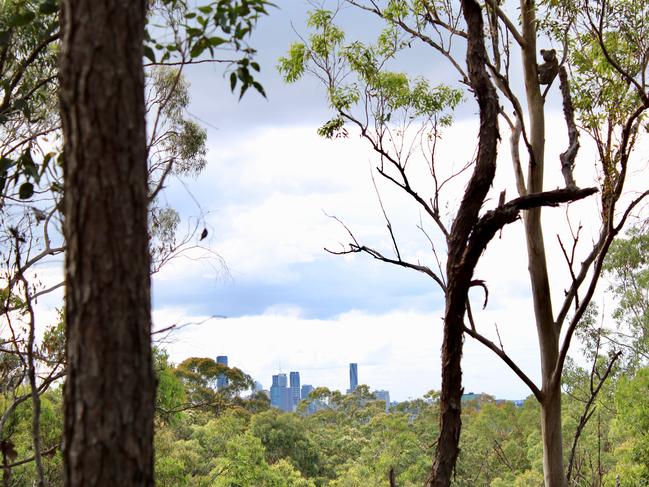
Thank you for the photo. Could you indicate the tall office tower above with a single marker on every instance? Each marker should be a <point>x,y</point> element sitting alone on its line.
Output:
<point>353,377</point>
<point>274,392</point>
<point>280,394</point>
<point>222,380</point>
<point>295,389</point>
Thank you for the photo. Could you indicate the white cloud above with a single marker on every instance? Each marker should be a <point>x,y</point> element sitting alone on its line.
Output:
<point>398,351</point>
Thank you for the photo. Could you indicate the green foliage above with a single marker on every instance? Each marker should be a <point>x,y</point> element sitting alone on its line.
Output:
<point>357,81</point>
<point>630,430</point>
<point>189,142</point>
<point>28,34</point>
<point>603,99</point>
<point>627,266</point>
<point>212,27</point>
<point>284,437</point>
<point>170,393</point>
<point>292,66</point>
<point>350,440</point>
<point>28,30</point>
<point>199,378</point>
<point>18,432</point>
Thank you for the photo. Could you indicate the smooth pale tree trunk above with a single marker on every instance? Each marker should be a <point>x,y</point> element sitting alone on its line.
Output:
<point>547,331</point>
<point>109,393</point>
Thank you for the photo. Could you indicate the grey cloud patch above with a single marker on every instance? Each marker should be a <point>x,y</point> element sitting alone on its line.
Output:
<point>321,290</point>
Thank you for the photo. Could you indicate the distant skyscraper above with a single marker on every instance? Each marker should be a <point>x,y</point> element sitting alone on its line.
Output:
<point>353,377</point>
<point>295,389</point>
<point>383,396</point>
<point>222,380</point>
<point>306,390</point>
<point>274,392</point>
<point>280,395</point>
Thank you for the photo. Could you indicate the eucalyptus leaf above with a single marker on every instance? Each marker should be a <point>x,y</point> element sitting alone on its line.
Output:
<point>26,191</point>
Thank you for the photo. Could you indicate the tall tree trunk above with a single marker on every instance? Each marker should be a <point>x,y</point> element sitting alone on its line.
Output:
<point>463,252</point>
<point>109,393</point>
<point>548,333</point>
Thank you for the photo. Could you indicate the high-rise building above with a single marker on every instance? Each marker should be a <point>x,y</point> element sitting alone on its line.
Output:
<point>305,391</point>
<point>304,394</point>
<point>353,377</point>
<point>295,389</point>
<point>222,380</point>
<point>275,392</point>
<point>383,396</point>
<point>280,394</point>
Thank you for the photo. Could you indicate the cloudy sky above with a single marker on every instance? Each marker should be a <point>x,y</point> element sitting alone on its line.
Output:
<point>267,294</point>
<point>289,305</point>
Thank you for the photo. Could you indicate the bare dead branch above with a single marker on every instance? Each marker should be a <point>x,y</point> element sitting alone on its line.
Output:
<point>43,453</point>
<point>511,28</point>
<point>567,158</point>
<point>505,358</point>
<point>494,220</point>
<point>514,140</point>
<point>387,220</point>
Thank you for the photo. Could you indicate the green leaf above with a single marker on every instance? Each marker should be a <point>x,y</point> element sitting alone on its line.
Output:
<point>46,161</point>
<point>48,7</point>
<point>6,163</point>
<point>216,41</point>
<point>244,88</point>
<point>259,88</point>
<point>198,48</point>
<point>206,9</point>
<point>149,54</point>
<point>26,191</point>
<point>233,81</point>
<point>21,19</point>
<point>29,167</point>
<point>193,31</point>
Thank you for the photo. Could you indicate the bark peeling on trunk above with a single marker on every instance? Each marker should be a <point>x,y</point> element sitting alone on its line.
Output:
<point>109,394</point>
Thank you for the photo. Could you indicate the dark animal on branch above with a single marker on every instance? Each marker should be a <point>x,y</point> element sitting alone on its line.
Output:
<point>549,69</point>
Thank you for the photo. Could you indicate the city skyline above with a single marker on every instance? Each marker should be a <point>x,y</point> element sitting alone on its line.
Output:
<point>286,394</point>
<point>286,391</point>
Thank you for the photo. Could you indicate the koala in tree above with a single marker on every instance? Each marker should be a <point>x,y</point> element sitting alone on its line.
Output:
<point>549,69</point>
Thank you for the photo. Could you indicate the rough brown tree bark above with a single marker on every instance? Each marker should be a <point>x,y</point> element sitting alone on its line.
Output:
<point>109,393</point>
<point>463,252</point>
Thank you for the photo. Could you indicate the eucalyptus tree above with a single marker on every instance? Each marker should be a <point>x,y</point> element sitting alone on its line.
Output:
<point>601,75</point>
